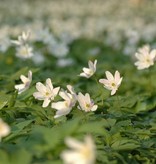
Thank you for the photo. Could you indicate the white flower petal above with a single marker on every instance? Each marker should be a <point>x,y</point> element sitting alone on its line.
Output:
<point>59,105</point>
<point>109,76</point>
<point>49,84</point>
<point>117,76</point>
<point>56,90</point>
<point>84,75</point>
<point>64,95</point>
<point>41,88</point>
<point>87,98</point>
<point>30,75</point>
<point>45,102</point>
<point>4,129</point>
<point>20,87</point>
<point>74,144</point>
<point>38,96</point>
<point>63,112</point>
<point>104,81</point>
<point>153,54</point>
<point>94,108</point>
<point>113,91</point>
<point>24,79</point>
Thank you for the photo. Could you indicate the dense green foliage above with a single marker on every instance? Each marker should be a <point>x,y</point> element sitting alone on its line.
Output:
<point>123,127</point>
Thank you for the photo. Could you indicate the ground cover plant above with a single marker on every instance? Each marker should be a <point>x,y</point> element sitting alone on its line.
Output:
<point>79,100</point>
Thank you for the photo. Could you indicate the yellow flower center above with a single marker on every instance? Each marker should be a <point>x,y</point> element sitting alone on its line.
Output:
<point>66,104</point>
<point>47,93</point>
<point>24,51</point>
<point>147,60</point>
<point>87,105</point>
<point>113,84</point>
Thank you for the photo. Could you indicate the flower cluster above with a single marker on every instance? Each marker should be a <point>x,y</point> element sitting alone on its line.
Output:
<point>64,107</point>
<point>23,50</point>
<point>47,93</point>
<point>111,83</point>
<point>80,152</point>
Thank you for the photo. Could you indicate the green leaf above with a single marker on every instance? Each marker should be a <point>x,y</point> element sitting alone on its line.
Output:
<point>3,99</point>
<point>20,156</point>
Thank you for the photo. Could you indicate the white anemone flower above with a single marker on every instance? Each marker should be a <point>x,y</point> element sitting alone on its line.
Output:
<point>88,72</point>
<point>47,92</point>
<point>79,153</point>
<point>59,50</point>
<point>4,129</point>
<point>24,52</point>
<point>26,83</point>
<point>64,107</point>
<point>86,103</point>
<point>145,57</point>
<point>112,82</point>
<point>22,39</point>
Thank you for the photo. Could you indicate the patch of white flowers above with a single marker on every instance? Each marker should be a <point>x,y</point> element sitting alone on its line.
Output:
<point>83,153</point>
<point>23,50</point>
<point>22,39</point>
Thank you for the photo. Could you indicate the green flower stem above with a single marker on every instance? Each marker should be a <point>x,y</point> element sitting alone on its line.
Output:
<point>101,90</point>
<point>118,102</point>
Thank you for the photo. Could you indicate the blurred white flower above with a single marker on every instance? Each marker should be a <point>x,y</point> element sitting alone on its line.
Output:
<point>4,129</point>
<point>80,153</point>
<point>22,39</point>
<point>4,44</point>
<point>65,62</point>
<point>85,103</point>
<point>64,107</point>
<point>88,72</point>
<point>112,82</point>
<point>59,50</point>
<point>145,57</point>
<point>47,92</point>
<point>129,49</point>
<point>38,58</point>
<point>45,36</point>
<point>26,83</point>
<point>66,37</point>
<point>24,52</point>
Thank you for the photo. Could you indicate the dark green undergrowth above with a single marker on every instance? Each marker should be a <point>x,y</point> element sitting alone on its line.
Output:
<point>123,127</point>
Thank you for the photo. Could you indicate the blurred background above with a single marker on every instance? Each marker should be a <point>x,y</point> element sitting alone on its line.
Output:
<point>121,24</point>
